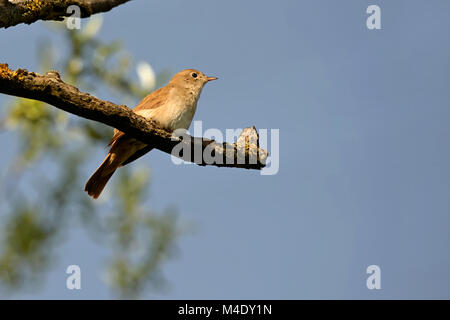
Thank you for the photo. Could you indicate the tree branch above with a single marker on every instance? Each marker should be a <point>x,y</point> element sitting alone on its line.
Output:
<point>13,12</point>
<point>51,89</point>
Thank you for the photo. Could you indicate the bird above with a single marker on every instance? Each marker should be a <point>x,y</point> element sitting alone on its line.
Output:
<point>172,107</point>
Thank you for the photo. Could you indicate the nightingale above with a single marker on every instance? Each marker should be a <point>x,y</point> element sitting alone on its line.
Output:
<point>172,107</point>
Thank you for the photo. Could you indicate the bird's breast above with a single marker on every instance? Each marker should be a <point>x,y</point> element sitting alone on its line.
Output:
<point>180,110</point>
<point>180,117</point>
<point>176,113</point>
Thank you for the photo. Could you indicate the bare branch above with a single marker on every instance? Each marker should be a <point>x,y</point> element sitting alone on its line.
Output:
<point>51,89</point>
<point>13,12</point>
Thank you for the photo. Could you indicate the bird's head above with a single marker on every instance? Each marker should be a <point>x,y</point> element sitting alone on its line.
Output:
<point>191,79</point>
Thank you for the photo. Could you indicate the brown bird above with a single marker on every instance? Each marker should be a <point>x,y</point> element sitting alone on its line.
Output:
<point>172,107</point>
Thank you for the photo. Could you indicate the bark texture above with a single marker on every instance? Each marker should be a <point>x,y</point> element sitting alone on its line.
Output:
<point>13,12</point>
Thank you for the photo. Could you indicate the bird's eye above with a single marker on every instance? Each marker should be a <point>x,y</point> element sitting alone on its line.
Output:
<point>194,75</point>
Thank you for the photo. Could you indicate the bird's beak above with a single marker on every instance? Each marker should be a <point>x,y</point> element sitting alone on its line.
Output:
<point>211,79</point>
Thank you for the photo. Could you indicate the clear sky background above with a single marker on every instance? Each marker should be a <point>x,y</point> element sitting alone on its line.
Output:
<point>364,148</point>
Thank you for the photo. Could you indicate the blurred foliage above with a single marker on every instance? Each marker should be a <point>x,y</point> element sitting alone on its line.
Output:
<point>42,191</point>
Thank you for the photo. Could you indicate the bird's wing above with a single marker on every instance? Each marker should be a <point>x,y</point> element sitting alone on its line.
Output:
<point>137,155</point>
<point>116,136</point>
<point>152,101</point>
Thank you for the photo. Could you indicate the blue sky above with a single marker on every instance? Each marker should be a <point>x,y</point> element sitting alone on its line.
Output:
<point>364,157</point>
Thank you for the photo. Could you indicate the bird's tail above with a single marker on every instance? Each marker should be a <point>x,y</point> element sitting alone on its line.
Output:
<point>98,180</point>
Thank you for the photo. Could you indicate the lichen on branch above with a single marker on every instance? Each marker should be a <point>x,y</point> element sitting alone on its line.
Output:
<point>14,12</point>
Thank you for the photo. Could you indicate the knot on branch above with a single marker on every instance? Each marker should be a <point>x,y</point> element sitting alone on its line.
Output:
<point>247,146</point>
<point>53,74</point>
